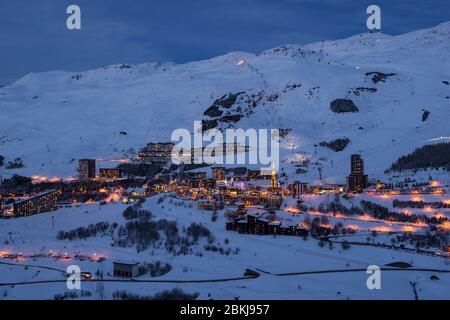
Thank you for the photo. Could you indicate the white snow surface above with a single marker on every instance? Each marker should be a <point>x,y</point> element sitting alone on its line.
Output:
<point>281,254</point>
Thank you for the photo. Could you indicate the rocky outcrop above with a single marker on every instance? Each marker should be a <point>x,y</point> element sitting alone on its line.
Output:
<point>379,76</point>
<point>213,111</point>
<point>343,105</point>
<point>336,145</point>
<point>230,108</point>
<point>359,90</point>
<point>425,115</point>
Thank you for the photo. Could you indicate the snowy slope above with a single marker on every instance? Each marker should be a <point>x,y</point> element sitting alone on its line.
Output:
<point>281,254</point>
<point>50,119</point>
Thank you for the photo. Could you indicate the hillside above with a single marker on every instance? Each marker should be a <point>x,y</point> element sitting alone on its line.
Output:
<point>370,89</point>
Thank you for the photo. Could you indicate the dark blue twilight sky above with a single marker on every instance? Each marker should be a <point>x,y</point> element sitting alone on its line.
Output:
<point>34,37</point>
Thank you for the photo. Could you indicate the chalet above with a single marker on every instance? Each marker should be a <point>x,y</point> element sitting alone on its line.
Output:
<point>274,227</point>
<point>301,231</point>
<point>210,205</point>
<point>242,226</point>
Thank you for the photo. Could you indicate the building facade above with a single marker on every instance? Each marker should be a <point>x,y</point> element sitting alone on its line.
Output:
<point>110,173</point>
<point>219,173</point>
<point>158,153</point>
<point>125,269</point>
<point>357,180</point>
<point>43,202</point>
<point>298,188</point>
<point>86,169</point>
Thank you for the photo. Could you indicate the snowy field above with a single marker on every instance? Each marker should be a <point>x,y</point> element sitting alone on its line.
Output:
<point>281,254</point>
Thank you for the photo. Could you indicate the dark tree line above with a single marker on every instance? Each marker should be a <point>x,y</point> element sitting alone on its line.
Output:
<point>174,294</point>
<point>134,212</point>
<point>427,240</point>
<point>92,230</point>
<point>155,269</point>
<point>430,156</point>
<point>380,212</point>
<point>419,204</point>
<point>197,231</point>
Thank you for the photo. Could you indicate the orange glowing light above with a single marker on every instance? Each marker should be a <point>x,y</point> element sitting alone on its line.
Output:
<point>428,209</point>
<point>292,210</point>
<point>37,179</point>
<point>421,224</point>
<point>409,229</point>
<point>115,196</point>
<point>406,212</point>
<point>435,184</point>
<point>366,218</point>
<point>4,253</point>
<point>440,216</point>
<point>445,225</point>
<point>382,229</point>
<point>353,227</point>
<point>416,199</point>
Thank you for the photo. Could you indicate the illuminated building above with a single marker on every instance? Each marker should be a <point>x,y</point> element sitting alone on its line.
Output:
<point>298,188</point>
<point>274,201</point>
<point>210,205</point>
<point>194,183</point>
<point>86,169</point>
<point>273,181</point>
<point>274,227</point>
<point>219,173</point>
<point>301,231</point>
<point>240,173</point>
<point>208,184</point>
<point>2,205</point>
<point>257,225</point>
<point>254,174</point>
<point>357,180</point>
<point>242,226</point>
<point>159,153</point>
<point>257,175</point>
<point>43,202</point>
<point>110,173</point>
<point>201,175</point>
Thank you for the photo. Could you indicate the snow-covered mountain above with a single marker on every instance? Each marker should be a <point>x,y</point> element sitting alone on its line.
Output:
<point>49,119</point>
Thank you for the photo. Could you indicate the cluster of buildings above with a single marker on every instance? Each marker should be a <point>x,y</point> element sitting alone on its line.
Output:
<point>227,186</point>
<point>157,153</point>
<point>43,202</point>
<point>87,171</point>
<point>222,189</point>
<point>255,224</point>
